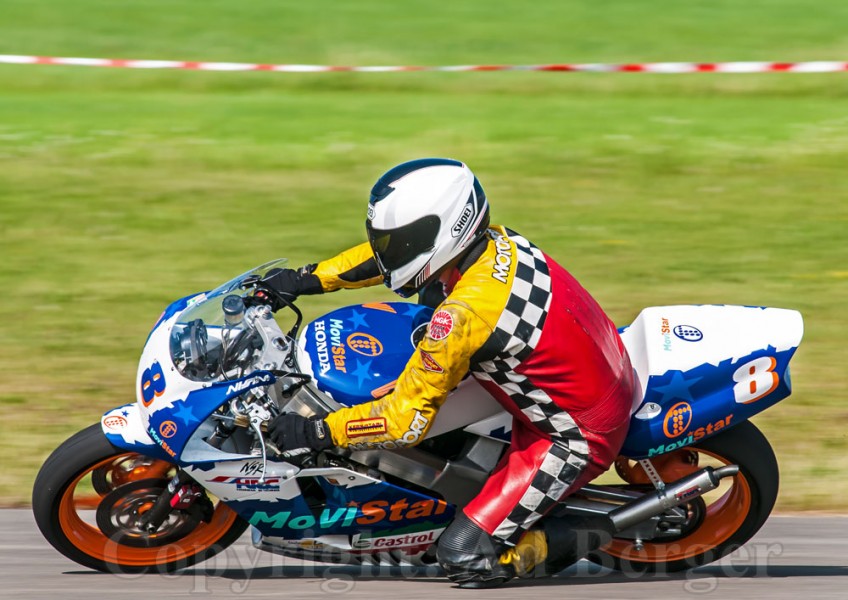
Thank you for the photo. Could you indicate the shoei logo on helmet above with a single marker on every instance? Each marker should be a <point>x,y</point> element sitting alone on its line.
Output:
<point>463,221</point>
<point>371,212</point>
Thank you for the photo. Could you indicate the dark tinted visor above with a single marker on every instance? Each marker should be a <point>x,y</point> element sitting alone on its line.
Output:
<point>396,247</point>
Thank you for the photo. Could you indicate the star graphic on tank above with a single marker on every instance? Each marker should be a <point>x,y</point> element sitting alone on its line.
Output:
<point>362,372</point>
<point>412,310</point>
<point>126,413</point>
<point>184,414</point>
<point>677,387</point>
<point>358,320</point>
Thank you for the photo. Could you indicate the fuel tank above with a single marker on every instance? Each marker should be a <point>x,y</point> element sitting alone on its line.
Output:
<point>356,353</point>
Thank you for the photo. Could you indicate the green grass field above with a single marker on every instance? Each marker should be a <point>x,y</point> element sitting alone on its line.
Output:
<point>122,190</point>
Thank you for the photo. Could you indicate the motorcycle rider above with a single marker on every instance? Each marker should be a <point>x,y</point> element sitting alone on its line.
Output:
<point>522,326</point>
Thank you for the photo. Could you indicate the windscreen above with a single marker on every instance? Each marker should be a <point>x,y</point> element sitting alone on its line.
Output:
<point>201,335</point>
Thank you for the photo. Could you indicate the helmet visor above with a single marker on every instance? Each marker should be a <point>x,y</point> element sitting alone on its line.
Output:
<point>395,248</point>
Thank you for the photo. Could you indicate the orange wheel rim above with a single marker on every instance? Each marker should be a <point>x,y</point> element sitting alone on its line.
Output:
<point>90,540</point>
<point>722,518</point>
<point>131,467</point>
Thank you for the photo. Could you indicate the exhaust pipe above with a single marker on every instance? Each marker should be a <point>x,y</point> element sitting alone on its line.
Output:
<point>674,494</point>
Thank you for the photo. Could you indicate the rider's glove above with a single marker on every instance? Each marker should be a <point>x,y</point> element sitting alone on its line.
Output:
<point>288,283</point>
<point>295,435</point>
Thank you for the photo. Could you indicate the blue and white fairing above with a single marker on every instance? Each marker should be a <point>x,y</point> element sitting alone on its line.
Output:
<point>126,426</point>
<point>357,352</point>
<point>702,369</point>
<point>346,503</point>
<point>172,404</point>
<point>179,386</point>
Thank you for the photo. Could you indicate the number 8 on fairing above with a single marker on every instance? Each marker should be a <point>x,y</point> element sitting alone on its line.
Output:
<point>152,383</point>
<point>755,379</point>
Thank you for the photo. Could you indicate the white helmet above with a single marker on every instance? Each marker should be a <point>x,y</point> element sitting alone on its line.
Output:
<point>422,214</point>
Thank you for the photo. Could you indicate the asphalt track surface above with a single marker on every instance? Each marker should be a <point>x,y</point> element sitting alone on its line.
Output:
<point>791,557</point>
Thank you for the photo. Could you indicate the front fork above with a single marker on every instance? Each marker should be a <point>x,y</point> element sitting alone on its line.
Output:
<point>181,493</point>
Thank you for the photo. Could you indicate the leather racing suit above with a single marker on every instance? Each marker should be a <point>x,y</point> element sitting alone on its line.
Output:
<point>538,342</point>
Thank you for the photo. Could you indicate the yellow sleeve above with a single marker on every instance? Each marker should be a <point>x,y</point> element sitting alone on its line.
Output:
<point>354,268</point>
<point>439,363</point>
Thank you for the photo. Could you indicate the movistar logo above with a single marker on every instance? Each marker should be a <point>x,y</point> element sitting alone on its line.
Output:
<point>370,513</point>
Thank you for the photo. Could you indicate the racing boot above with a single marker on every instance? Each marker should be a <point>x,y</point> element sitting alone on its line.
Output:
<point>470,556</point>
<point>560,542</point>
<point>530,552</point>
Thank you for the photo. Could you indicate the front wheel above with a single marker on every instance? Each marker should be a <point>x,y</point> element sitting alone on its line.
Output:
<point>719,522</point>
<point>88,495</point>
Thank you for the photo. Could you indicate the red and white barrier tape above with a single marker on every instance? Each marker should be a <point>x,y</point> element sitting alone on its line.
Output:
<point>665,67</point>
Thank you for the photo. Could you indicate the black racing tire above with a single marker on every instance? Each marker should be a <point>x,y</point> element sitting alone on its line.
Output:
<point>55,507</point>
<point>754,488</point>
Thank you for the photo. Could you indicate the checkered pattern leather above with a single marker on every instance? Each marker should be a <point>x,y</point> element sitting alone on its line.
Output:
<point>560,468</point>
<point>520,324</point>
<point>517,333</point>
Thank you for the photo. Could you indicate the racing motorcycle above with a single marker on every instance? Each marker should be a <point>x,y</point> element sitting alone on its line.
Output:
<point>178,475</point>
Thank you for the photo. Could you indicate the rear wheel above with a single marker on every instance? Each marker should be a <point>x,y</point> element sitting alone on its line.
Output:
<point>719,522</point>
<point>87,499</point>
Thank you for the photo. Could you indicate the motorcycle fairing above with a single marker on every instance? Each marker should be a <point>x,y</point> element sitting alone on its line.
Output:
<point>169,432</point>
<point>704,368</point>
<point>333,501</point>
<point>356,353</point>
<point>178,406</point>
<point>173,428</point>
<point>124,428</point>
<point>175,307</point>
